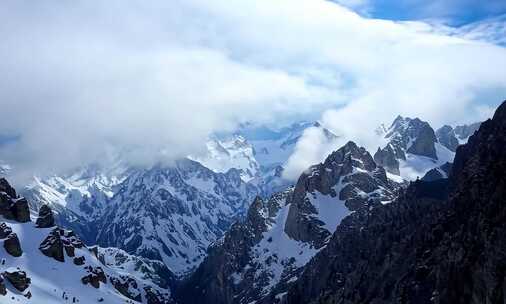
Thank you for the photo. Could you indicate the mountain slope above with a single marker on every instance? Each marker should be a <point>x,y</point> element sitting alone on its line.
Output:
<point>41,263</point>
<point>261,256</point>
<point>440,242</point>
<point>410,148</point>
<point>173,213</point>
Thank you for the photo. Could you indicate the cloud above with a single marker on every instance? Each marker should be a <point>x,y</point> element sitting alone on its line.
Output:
<point>311,148</point>
<point>153,79</point>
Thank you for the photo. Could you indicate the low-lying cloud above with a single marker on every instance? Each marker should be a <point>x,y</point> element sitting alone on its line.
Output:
<point>86,79</point>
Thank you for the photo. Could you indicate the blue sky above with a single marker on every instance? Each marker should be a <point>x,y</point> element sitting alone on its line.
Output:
<point>452,12</point>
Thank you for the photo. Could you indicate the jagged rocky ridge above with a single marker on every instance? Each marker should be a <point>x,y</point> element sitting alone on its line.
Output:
<point>451,137</point>
<point>440,242</point>
<point>53,265</point>
<point>261,256</point>
<point>168,213</point>
<point>411,147</point>
<point>172,214</point>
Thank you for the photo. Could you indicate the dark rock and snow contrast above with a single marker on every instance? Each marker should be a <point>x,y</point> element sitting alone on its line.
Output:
<point>411,148</point>
<point>441,241</point>
<point>261,256</point>
<point>52,265</point>
<point>351,229</point>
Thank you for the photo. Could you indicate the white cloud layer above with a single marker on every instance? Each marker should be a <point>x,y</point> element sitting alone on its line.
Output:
<point>154,78</point>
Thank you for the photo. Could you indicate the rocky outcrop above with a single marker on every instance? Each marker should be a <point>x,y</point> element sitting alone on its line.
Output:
<point>94,277</point>
<point>361,183</point>
<point>126,286</point>
<point>12,245</point>
<point>446,136</point>
<point>4,230</point>
<point>6,188</point>
<point>260,257</point>
<point>451,137</point>
<point>57,241</point>
<point>46,218</point>
<point>3,290</point>
<point>213,281</point>
<point>52,246</point>
<point>438,173</point>
<point>424,142</point>
<point>406,138</point>
<point>441,242</point>
<point>18,279</point>
<point>386,158</point>
<point>463,132</point>
<point>79,260</point>
<point>12,207</point>
<point>11,241</point>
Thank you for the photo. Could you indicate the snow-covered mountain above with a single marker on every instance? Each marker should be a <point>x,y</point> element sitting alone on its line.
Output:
<point>451,137</point>
<point>262,255</point>
<point>410,148</point>
<point>173,213</point>
<point>273,148</point>
<point>167,213</point>
<point>231,152</point>
<point>42,263</point>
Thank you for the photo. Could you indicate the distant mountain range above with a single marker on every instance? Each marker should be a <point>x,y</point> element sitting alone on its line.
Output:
<point>225,226</point>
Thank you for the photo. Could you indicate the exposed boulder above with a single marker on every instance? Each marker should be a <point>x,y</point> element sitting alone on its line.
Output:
<point>154,296</point>
<point>79,260</point>
<point>94,277</point>
<point>18,279</point>
<point>58,240</point>
<point>46,218</point>
<point>14,208</point>
<point>12,245</point>
<point>4,230</point>
<point>127,286</point>
<point>3,290</point>
<point>52,246</point>
<point>7,188</point>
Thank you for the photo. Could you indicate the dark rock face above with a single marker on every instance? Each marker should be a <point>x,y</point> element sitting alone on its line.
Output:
<point>46,218</point>
<point>386,158</point>
<point>52,246</point>
<point>58,240</point>
<point>4,230</point>
<point>424,143</point>
<point>239,268</point>
<point>405,135</point>
<point>3,290</point>
<point>12,245</point>
<point>452,137</point>
<point>229,256</point>
<point>446,136</point>
<point>94,277</point>
<point>438,173</point>
<point>464,131</point>
<point>7,188</point>
<point>79,260</point>
<point>18,279</point>
<point>124,285</point>
<point>153,296</point>
<point>322,178</point>
<point>440,242</point>
<point>12,207</point>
